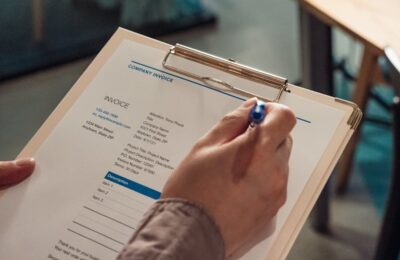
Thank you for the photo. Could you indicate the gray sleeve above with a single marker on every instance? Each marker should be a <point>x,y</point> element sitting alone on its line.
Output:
<point>175,229</point>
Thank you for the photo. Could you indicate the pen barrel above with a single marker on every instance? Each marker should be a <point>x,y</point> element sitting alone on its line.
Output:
<point>257,113</point>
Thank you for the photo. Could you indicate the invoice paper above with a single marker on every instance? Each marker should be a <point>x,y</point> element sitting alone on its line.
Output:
<point>108,158</point>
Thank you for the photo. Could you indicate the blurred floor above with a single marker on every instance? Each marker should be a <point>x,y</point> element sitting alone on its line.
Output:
<point>262,34</point>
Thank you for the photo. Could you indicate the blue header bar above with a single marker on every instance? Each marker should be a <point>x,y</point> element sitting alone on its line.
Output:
<point>144,190</point>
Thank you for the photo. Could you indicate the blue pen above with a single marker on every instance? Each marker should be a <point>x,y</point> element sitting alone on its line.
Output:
<point>257,113</point>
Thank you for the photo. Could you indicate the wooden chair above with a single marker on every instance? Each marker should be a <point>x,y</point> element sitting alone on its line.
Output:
<point>368,75</point>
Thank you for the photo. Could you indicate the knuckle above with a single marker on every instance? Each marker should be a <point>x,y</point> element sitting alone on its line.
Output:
<point>287,114</point>
<point>228,118</point>
<point>285,169</point>
<point>265,142</point>
<point>273,105</point>
<point>199,144</point>
<point>281,171</point>
<point>276,191</point>
<point>290,141</point>
<point>282,182</point>
<point>282,198</point>
<point>289,144</point>
<point>267,194</point>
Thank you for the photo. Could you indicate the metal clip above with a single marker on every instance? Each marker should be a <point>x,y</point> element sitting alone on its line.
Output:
<point>228,66</point>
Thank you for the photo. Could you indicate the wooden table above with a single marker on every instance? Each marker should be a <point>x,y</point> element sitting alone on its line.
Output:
<point>376,24</point>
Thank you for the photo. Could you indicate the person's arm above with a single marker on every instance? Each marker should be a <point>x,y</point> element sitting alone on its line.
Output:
<point>175,229</point>
<point>229,186</point>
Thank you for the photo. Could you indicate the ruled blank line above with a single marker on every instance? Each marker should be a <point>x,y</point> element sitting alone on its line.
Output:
<point>107,207</point>
<point>94,241</point>
<point>103,225</point>
<point>95,231</point>
<point>109,217</point>
<point>131,208</point>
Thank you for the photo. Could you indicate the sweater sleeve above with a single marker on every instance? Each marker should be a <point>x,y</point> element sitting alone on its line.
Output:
<point>175,229</point>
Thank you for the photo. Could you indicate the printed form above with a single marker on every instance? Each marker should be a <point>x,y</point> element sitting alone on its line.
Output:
<point>107,160</point>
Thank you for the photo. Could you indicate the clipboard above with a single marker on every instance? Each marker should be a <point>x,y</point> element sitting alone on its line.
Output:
<point>319,177</point>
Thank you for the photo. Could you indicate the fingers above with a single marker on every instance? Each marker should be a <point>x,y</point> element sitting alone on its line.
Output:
<point>12,172</point>
<point>270,134</point>
<point>277,125</point>
<point>231,125</point>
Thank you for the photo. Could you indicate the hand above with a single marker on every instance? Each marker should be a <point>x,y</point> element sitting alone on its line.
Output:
<point>237,173</point>
<point>12,172</point>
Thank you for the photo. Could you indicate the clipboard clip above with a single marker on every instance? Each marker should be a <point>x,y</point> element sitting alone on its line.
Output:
<point>226,65</point>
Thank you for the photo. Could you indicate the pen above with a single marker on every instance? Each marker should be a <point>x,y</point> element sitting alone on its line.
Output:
<point>257,113</point>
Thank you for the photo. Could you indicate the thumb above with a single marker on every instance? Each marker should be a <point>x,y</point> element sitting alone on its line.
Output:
<point>12,172</point>
<point>231,125</point>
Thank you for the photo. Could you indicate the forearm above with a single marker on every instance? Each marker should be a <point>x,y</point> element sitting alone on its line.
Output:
<point>175,229</point>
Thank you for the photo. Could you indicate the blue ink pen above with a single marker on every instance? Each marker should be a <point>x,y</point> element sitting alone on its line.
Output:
<point>257,113</point>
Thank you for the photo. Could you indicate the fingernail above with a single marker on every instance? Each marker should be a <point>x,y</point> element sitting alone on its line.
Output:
<point>24,162</point>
